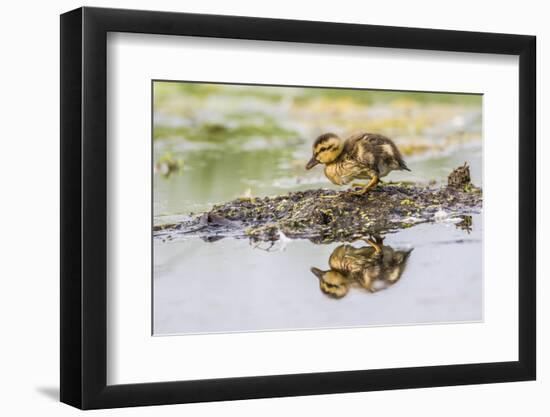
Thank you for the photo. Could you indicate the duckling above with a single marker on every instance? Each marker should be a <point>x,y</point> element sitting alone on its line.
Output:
<point>374,268</point>
<point>362,156</point>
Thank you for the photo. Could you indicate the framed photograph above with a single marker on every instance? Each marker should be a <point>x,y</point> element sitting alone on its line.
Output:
<point>256,208</point>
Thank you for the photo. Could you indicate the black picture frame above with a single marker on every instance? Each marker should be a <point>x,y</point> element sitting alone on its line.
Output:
<point>84,207</point>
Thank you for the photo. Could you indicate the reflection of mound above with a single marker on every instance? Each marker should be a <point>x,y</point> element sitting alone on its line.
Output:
<point>374,268</point>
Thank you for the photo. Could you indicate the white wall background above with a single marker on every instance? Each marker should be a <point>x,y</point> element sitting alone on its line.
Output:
<point>30,205</point>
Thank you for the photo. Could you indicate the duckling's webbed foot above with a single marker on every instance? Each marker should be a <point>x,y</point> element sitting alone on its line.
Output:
<point>359,191</point>
<point>357,188</point>
<point>376,245</point>
<point>372,183</point>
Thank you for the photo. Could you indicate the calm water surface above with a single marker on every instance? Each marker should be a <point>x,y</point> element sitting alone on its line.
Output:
<point>229,286</point>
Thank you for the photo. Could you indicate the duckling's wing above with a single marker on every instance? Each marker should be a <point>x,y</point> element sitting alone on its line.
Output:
<point>370,149</point>
<point>352,142</point>
<point>360,148</point>
<point>384,143</point>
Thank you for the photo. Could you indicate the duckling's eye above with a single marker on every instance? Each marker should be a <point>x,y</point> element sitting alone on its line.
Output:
<point>323,149</point>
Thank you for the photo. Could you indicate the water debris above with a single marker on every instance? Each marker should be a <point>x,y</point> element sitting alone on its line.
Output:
<point>460,178</point>
<point>167,165</point>
<point>465,223</point>
<point>247,195</point>
<point>325,216</point>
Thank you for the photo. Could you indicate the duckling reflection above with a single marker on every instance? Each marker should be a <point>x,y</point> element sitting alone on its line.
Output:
<point>373,268</point>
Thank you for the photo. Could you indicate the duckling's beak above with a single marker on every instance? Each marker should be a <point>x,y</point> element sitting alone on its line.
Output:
<point>317,272</point>
<point>312,162</point>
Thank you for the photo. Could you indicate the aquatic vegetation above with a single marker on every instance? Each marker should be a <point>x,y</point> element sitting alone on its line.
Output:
<point>403,99</point>
<point>460,178</point>
<point>324,216</point>
<point>217,132</point>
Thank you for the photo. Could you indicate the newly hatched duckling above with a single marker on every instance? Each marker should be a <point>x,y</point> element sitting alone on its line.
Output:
<point>362,156</point>
<point>374,268</point>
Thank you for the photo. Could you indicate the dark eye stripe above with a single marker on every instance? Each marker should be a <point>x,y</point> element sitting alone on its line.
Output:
<point>326,148</point>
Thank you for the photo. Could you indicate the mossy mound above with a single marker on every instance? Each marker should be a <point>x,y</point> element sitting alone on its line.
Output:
<point>325,216</point>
